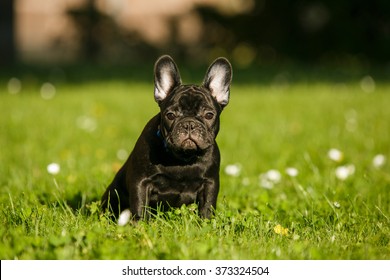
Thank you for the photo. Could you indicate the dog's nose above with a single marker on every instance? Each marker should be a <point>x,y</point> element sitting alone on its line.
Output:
<point>189,125</point>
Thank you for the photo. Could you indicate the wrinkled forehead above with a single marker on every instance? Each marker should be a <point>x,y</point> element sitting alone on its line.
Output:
<point>191,97</point>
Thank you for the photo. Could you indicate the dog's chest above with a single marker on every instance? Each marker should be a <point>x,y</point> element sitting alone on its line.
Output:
<point>176,186</point>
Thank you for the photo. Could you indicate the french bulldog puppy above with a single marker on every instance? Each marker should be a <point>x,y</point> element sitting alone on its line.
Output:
<point>176,160</point>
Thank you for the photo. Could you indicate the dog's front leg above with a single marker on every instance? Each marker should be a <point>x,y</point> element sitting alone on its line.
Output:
<point>208,199</point>
<point>139,201</point>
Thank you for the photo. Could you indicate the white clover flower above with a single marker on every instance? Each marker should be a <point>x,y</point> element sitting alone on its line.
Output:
<point>124,217</point>
<point>335,155</point>
<point>14,85</point>
<point>233,170</point>
<point>345,171</point>
<point>336,204</point>
<point>379,160</point>
<point>86,123</point>
<point>48,91</point>
<point>53,168</point>
<point>274,175</point>
<point>292,172</point>
<point>269,179</point>
<point>367,84</point>
<point>122,154</point>
<point>264,182</point>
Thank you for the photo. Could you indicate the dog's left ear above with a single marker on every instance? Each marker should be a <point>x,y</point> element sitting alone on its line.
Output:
<point>218,79</point>
<point>166,77</point>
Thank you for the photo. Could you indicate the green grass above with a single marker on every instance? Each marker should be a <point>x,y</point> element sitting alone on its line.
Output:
<point>264,127</point>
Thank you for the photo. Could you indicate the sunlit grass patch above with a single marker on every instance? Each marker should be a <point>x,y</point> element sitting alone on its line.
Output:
<point>304,174</point>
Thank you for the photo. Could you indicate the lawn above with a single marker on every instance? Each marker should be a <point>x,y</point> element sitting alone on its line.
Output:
<point>303,173</point>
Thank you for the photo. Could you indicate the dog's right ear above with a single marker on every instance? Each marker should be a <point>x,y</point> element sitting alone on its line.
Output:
<point>166,77</point>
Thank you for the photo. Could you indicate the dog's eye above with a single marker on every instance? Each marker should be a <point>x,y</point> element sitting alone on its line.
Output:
<point>171,116</point>
<point>209,116</point>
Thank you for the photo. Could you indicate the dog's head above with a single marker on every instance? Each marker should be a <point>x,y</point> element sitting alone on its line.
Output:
<point>190,113</point>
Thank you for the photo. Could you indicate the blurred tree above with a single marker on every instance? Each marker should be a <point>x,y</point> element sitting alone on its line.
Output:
<point>354,32</point>
<point>7,45</point>
<point>100,38</point>
<point>305,30</point>
<point>87,20</point>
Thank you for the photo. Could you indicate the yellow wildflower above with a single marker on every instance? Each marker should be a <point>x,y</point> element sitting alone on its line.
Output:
<point>278,229</point>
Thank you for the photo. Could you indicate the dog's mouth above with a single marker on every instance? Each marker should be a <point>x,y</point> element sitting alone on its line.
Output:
<point>188,140</point>
<point>189,145</point>
<point>188,148</point>
<point>188,151</point>
<point>191,142</point>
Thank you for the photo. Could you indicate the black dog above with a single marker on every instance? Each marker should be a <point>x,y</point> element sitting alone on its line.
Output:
<point>176,159</point>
